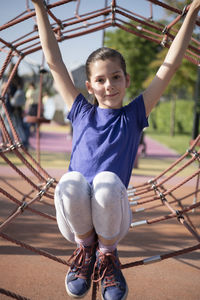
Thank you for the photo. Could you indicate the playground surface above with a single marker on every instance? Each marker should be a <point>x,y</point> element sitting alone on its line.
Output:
<point>38,278</point>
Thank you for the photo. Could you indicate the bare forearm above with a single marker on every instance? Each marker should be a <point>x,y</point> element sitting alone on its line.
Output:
<point>172,60</point>
<point>182,39</point>
<point>53,56</point>
<point>48,40</point>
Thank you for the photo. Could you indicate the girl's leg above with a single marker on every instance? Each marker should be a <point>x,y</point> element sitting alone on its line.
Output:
<point>111,212</point>
<point>73,205</point>
<point>111,218</point>
<point>73,211</point>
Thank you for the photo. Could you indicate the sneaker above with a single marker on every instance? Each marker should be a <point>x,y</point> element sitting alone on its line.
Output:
<point>107,270</point>
<point>78,278</point>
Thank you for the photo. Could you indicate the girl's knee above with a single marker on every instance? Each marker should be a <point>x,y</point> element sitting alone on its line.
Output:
<point>72,182</point>
<point>105,176</point>
<point>72,187</point>
<point>73,177</point>
<point>110,206</point>
<point>108,187</point>
<point>73,202</point>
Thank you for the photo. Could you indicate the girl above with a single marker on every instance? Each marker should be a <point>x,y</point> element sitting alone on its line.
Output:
<point>91,200</point>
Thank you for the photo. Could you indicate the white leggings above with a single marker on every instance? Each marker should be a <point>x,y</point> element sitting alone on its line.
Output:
<point>103,206</point>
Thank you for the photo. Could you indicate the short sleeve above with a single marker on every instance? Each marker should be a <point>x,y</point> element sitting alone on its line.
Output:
<point>80,105</point>
<point>136,109</point>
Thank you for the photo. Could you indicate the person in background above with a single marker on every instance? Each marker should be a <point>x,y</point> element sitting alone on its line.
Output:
<point>15,101</point>
<point>31,106</point>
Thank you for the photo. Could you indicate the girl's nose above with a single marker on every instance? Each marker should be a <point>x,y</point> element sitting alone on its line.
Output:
<point>109,85</point>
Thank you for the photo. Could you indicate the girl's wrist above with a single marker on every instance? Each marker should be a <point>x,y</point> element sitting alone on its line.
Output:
<point>38,2</point>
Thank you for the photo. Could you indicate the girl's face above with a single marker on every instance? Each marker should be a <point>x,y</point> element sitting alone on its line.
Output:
<point>107,83</point>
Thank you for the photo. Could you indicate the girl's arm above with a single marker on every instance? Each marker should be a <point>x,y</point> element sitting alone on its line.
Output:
<point>53,56</point>
<point>172,60</point>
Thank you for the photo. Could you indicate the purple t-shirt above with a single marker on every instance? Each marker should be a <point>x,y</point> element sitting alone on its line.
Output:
<point>106,139</point>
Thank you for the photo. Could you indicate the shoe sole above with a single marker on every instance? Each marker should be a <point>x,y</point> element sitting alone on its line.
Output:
<point>73,295</point>
<point>124,298</point>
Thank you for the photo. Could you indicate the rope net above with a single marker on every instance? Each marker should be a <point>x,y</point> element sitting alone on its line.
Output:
<point>32,189</point>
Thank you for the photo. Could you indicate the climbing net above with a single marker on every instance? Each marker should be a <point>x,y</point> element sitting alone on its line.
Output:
<point>38,185</point>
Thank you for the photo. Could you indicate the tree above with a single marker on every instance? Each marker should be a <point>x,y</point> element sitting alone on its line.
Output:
<point>183,83</point>
<point>144,58</point>
<point>181,86</point>
<point>181,5</point>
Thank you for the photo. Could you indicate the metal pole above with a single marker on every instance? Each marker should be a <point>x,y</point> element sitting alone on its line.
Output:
<point>195,130</point>
<point>151,11</point>
<point>104,31</point>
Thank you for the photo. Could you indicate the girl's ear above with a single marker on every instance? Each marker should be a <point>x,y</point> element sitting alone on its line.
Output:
<point>128,80</point>
<point>89,87</point>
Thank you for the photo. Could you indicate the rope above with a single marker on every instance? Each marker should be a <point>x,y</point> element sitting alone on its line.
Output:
<point>113,10</point>
<point>45,215</point>
<point>33,249</point>
<point>6,62</point>
<point>158,258</point>
<point>24,205</point>
<point>141,188</point>
<point>12,295</point>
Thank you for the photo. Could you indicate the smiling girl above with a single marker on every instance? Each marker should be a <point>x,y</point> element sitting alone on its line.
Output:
<point>91,199</point>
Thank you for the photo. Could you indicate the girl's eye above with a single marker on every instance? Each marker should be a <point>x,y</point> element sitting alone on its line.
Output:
<point>116,76</point>
<point>100,80</point>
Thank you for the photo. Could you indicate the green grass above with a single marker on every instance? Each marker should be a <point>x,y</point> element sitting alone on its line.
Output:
<point>179,142</point>
<point>55,160</point>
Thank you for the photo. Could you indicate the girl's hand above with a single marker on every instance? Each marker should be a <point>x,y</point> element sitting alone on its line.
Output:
<point>37,1</point>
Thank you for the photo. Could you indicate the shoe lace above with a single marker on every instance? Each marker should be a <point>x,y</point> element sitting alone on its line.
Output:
<point>104,270</point>
<point>80,261</point>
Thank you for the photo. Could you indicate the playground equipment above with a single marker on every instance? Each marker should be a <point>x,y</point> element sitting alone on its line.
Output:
<point>38,184</point>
